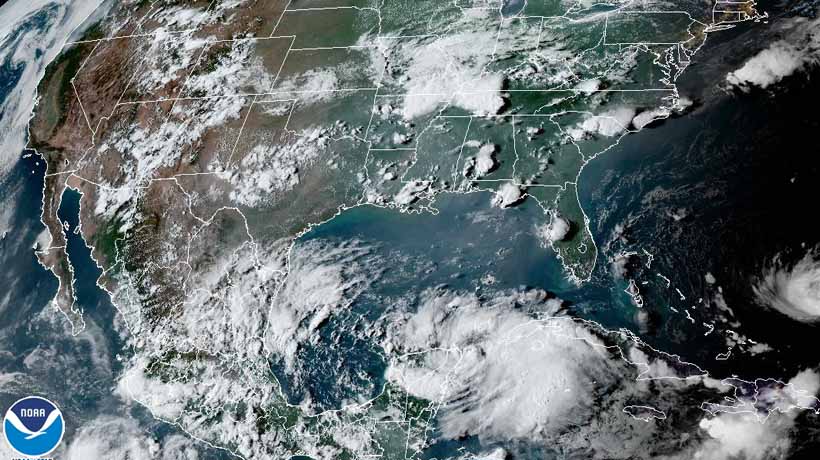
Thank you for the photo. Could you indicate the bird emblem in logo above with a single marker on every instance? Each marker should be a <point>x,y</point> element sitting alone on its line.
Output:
<point>33,426</point>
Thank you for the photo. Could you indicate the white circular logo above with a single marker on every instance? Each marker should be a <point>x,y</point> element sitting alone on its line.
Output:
<point>33,426</point>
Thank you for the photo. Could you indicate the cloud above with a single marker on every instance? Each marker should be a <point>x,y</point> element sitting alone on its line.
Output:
<point>410,192</point>
<point>121,438</point>
<point>646,117</point>
<point>797,51</point>
<point>742,436</point>
<point>556,230</point>
<point>449,68</point>
<point>621,264</point>
<point>807,382</point>
<point>323,280</point>
<point>311,87</point>
<point>22,42</point>
<point>455,68</point>
<point>503,366</point>
<point>507,195</point>
<point>495,454</point>
<point>499,373</point>
<point>769,66</point>
<point>608,124</point>
<point>483,162</point>
<point>757,424</point>
<point>178,447</point>
<point>792,290</point>
<point>507,367</point>
<point>272,167</point>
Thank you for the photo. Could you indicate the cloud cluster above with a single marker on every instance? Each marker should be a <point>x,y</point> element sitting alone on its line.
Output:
<point>610,123</point>
<point>795,52</point>
<point>121,438</point>
<point>769,66</point>
<point>450,68</point>
<point>792,290</point>
<point>742,436</point>
<point>508,367</point>
<point>757,426</point>
<point>500,374</point>
<point>503,366</point>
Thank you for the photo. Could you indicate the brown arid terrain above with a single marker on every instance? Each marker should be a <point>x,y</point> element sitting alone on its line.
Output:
<point>95,89</point>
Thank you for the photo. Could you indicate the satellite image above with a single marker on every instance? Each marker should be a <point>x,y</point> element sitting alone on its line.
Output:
<point>409,229</point>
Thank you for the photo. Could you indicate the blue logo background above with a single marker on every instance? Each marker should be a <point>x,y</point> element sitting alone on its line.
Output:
<point>37,435</point>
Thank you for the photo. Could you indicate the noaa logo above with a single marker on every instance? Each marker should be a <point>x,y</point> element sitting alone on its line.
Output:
<point>33,426</point>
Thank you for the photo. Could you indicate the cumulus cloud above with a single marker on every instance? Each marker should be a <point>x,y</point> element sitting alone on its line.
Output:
<point>806,386</point>
<point>484,161</point>
<point>507,195</point>
<point>271,168</point>
<point>620,263</point>
<point>588,86</point>
<point>556,230</point>
<point>792,290</point>
<point>192,404</point>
